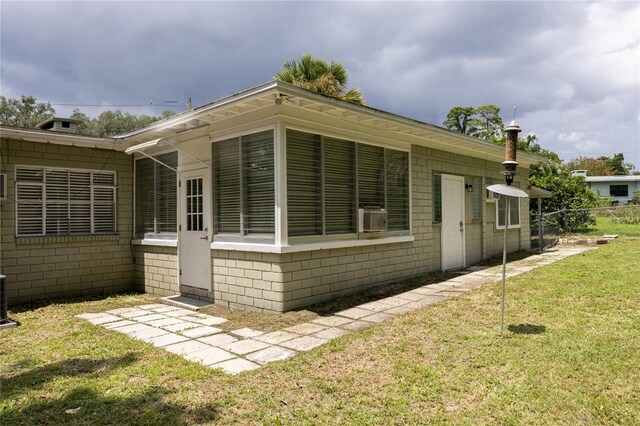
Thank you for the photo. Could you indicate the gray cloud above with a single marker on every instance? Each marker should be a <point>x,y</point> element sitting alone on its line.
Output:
<point>572,68</point>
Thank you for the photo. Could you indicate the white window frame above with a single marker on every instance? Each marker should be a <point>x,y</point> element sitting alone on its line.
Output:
<point>43,201</point>
<point>511,226</point>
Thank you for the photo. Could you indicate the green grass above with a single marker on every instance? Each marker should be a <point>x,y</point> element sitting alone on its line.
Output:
<point>571,356</point>
<point>607,225</point>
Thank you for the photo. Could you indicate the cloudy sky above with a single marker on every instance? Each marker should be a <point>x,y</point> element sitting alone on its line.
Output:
<point>572,68</point>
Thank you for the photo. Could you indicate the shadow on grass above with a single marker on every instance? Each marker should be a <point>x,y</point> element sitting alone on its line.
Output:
<point>84,405</point>
<point>388,290</point>
<point>12,386</point>
<point>527,329</point>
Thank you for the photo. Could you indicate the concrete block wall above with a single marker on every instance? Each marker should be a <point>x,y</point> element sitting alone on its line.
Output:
<point>44,267</point>
<point>281,282</point>
<point>156,269</point>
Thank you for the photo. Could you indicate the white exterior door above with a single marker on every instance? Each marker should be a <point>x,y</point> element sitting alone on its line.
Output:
<point>452,231</point>
<point>193,239</point>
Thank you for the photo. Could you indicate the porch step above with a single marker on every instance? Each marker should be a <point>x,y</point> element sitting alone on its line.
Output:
<point>184,302</point>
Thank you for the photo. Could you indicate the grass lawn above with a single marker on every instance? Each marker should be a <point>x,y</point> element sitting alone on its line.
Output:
<point>571,356</point>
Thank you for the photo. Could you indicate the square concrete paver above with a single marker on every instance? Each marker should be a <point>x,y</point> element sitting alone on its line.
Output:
<point>134,314</point>
<point>164,322</point>
<point>187,347</point>
<point>133,328</point>
<point>145,335</point>
<point>117,324</point>
<point>357,325</point>
<point>220,339</point>
<point>330,333</point>
<point>410,296</point>
<point>200,331</point>
<point>182,325</point>
<point>355,313</point>
<point>208,321</point>
<point>247,332</point>
<point>209,356</point>
<point>276,337</point>
<point>152,317</point>
<point>243,347</point>
<point>179,312</point>
<point>166,340</point>
<point>332,321</point>
<point>376,306</point>
<point>104,319</point>
<point>305,328</point>
<point>398,310</point>
<point>377,318</point>
<point>273,353</point>
<point>235,366</point>
<point>304,343</point>
<point>121,311</point>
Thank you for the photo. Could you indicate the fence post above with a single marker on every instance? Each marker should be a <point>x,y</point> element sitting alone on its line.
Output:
<point>540,231</point>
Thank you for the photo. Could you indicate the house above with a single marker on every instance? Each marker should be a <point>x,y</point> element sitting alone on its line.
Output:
<point>271,199</point>
<point>620,188</point>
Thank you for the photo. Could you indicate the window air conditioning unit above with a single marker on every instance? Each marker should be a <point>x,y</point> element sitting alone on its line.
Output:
<point>372,220</point>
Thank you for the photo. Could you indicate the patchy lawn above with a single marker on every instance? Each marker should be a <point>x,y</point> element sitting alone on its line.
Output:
<point>570,357</point>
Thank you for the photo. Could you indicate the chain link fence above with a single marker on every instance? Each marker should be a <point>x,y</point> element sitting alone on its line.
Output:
<point>548,228</point>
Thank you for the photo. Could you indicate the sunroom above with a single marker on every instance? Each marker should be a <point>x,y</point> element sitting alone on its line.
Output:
<point>276,198</point>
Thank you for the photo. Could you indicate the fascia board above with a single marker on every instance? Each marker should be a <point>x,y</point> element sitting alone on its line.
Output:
<point>59,139</point>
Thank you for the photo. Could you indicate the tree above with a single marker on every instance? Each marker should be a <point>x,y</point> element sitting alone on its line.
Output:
<point>25,112</point>
<point>320,76</point>
<point>487,123</point>
<point>458,119</point>
<point>567,193</point>
<point>602,166</point>
<point>111,123</point>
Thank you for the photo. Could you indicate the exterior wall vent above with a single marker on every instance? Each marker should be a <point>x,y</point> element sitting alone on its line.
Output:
<point>372,220</point>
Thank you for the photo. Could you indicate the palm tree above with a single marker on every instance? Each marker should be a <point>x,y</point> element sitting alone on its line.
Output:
<point>317,75</point>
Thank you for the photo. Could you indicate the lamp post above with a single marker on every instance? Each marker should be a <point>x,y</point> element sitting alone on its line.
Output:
<point>510,164</point>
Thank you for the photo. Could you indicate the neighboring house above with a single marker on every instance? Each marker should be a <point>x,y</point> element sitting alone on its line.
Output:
<point>271,199</point>
<point>620,188</point>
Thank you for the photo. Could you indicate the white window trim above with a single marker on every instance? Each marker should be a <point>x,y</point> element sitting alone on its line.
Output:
<point>91,203</point>
<point>154,242</point>
<point>519,225</point>
<point>295,248</point>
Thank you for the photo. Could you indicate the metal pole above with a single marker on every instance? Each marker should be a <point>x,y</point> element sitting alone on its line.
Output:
<point>540,226</point>
<point>504,265</point>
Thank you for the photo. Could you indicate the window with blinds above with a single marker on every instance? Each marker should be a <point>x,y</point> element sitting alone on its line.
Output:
<point>326,184</point>
<point>244,185</point>
<point>65,202</point>
<point>397,179</point>
<point>437,198</point>
<point>156,197</point>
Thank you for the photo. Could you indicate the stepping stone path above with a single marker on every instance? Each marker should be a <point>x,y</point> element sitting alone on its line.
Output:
<point>195,337</point>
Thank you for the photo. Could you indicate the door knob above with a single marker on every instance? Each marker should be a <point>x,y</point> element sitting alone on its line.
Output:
<point>204,238</point>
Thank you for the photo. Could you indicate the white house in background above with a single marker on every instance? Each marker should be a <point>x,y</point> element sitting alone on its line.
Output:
<point>271,199</point>
<point>621,188</point>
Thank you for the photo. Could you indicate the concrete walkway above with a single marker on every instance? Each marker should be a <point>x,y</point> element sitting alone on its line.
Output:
<point>195,336</point>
